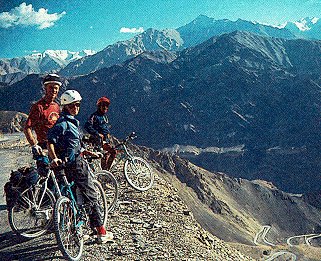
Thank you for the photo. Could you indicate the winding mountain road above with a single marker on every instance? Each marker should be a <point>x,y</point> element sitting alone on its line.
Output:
<point>261,236</point>
<point>307,238</point>
<point>280,253</point>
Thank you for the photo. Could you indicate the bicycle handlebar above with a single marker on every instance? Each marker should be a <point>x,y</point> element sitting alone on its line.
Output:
<point>131,136</point>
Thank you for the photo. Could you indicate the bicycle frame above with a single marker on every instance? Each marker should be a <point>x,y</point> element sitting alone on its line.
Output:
<point>65,190</point>
<point>42,184</point>
<point>62,190</point>
<point>123,151</point>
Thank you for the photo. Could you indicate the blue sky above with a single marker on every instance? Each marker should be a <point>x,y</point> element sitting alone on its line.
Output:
<point>27,26</point>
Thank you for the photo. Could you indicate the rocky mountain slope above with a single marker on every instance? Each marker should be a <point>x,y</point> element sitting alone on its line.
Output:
<point>238,89</point>
<point>234,209</point>
<point>12,121</point>
<point>189,214</point>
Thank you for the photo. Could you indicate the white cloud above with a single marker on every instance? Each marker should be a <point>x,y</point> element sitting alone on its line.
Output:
<point>25,15</point>
<point>131,30</point>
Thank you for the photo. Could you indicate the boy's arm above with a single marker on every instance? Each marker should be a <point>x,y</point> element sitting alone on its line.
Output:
<point>89,126</point>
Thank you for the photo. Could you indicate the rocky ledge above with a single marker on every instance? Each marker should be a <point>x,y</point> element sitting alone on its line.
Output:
<point>151,225</point>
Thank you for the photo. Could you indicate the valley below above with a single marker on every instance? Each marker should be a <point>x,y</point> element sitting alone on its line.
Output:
<point>282,166</point>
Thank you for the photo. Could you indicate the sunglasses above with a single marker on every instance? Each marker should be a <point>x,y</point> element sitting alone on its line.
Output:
<point>73,105</point>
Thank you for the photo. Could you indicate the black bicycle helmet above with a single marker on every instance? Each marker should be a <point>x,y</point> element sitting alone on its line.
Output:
<point>52,78</point>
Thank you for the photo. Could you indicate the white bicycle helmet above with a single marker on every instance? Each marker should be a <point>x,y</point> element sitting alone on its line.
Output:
<point>70,96</point>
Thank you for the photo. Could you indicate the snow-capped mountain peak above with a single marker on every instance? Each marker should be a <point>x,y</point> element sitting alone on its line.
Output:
<point>304,24</point>
<point>63,55</point>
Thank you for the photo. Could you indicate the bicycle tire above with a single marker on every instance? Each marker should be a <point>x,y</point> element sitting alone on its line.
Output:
<point>101,198</point>
<point>138,173</point>
<point>68,235</point>
<point>111,188</point>
<point>26,218</point>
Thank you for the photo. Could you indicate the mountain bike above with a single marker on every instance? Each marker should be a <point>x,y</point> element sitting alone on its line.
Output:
<point>137,171</point>
<point>70,219</point>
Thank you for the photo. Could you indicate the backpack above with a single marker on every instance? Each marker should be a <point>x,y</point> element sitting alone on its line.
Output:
<point>19,180</point>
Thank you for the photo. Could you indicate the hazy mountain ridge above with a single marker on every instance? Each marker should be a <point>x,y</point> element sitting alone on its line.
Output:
<point>199,30</point>
<point>308,27</point>
<point>202,28</point>
<point>15,69</point>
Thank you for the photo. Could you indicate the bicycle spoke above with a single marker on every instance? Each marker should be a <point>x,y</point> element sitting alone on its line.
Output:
<point>138,173</point>
<point>68,234</point>
<point>30,217</point>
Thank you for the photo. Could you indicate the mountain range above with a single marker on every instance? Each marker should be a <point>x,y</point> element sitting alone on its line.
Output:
<point>199,30</point>
<point>15,69</point>
<point>237,89</point>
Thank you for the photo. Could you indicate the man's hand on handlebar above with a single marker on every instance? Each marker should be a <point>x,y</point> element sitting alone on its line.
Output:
<point>93,154</point>
<point>55,162</point>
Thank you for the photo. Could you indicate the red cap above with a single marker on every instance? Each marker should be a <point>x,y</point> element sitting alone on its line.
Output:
<point>103,99</point>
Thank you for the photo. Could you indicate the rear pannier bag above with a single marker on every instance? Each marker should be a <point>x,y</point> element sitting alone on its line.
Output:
<point>20,180</point>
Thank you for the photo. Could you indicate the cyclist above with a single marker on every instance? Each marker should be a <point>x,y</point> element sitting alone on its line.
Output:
<point>64,142</point>
<point>98,126</point>
<point>43,114</point>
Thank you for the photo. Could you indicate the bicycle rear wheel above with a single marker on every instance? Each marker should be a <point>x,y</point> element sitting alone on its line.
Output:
<point>31,215</point>
<point>138,173</point>
<point>110,187</point>
<point>67,229</point>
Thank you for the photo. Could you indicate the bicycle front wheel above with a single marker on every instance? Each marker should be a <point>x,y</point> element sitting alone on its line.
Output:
<point>138,173</point>
<point>110,187</point>
<point>32,213</point>
<point>101,198</point>
<point>67,229</point>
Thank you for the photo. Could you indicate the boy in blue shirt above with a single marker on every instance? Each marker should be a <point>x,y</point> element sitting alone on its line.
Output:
<point>64,143</point>
<point>98,126</point>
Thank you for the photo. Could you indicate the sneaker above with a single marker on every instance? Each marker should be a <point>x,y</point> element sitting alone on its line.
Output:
<point>86,237</point>
<point>103,235</point>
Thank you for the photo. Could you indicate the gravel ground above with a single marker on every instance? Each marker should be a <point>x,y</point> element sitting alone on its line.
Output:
<point>151,225</point>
